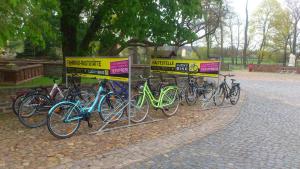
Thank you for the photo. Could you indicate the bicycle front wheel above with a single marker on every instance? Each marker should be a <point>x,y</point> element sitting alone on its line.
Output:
<point>170,102</point>
<point>139,108</point>
<point>33,110</point>
<point>63,120</point>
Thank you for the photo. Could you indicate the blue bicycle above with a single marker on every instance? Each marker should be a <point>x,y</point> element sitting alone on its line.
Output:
<point>64,118</point>
<point>120,89</point>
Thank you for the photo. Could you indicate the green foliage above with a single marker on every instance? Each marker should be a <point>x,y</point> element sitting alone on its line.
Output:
<point>32,19</point>
<point>282,28</point>
<point>100,26</point>
<point>138,22</point>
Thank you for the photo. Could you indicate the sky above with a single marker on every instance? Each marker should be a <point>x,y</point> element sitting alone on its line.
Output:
<point>239,6</point>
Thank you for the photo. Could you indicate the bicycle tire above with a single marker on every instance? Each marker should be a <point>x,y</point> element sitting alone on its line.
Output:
<point>208,92</point>
<point>136,114</point>
<point>190,95</point>
<point>236,91</point>
<point>57,111</point>
<point>18,100</point>
<point>112,108</point>
<point>170,100</point>
<point>37,115</point>
<point>16,103</point>
<point>219,96</point>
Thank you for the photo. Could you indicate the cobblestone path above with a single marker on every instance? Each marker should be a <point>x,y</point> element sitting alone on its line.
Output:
<point>265,135</point>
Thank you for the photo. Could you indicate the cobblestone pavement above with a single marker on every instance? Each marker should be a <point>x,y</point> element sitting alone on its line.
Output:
<point>148,148</point>
<point>265,135</point>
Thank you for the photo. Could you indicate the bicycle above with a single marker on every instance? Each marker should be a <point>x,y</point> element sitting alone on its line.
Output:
<point>17,100</point>
<point>167,101</point>
<point>193,91</point>
<point>33,109</point>
<point>224,91</point>
<point>119,88</point>
<point>110,108</point>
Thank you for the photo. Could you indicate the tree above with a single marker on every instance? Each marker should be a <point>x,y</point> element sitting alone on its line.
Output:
<point>34,20</point>
<point>282,28</point>
<point>261,24</point>
<point>294,7</point>
<point>206,26</point>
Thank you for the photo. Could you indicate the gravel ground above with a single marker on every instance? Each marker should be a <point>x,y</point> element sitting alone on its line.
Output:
<point>265,135</point>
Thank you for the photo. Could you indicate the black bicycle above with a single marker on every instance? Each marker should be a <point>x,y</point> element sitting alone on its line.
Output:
<point>193,91</point>
<point>33,109</point>
<point>226,91</point>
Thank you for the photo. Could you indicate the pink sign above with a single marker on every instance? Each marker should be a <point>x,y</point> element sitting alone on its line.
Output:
<point>211,67</point>
<point>119,67</point>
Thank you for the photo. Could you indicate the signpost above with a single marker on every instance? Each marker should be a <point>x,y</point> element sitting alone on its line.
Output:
<point>101,68</point>
<point>183,67</point>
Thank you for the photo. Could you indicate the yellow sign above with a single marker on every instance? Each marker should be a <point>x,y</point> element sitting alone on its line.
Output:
<point>102,68</point>
<point>184,67</point>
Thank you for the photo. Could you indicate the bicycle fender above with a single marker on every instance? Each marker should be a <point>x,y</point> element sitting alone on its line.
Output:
<point>236,84</point>
<point>58,104</point>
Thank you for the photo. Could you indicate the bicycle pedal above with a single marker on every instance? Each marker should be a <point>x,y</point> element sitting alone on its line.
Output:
<point>114,118</point>
<point>90,125</point>
<point>57,110</point>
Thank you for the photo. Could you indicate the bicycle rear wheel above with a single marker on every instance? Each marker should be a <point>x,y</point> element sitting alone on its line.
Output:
<point>33,110</point>
<point>139,108</point>
<point>219,96</point>
<point>170,102</point>
<point>112,108</point>
<point>63,120</point>
<point>16,103</point>
<point>191,95</point>
<point>234,94</point>
<point>208,92</point>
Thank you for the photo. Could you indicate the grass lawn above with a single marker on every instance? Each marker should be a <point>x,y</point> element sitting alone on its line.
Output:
<point>42,81</point>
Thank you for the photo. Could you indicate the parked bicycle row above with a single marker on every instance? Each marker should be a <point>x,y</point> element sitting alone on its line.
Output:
<point>63,108</point>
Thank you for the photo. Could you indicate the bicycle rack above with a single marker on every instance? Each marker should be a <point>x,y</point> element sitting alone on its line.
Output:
<point>128,106</point>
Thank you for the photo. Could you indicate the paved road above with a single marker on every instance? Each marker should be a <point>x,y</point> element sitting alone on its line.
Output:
<point>265,135</point>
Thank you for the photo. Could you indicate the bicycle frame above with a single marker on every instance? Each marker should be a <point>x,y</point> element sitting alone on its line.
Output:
<point>54,89</point>
<point>83,110</point>
<point>157,103</point>
<point>226,87</point>
<point>122,90</point>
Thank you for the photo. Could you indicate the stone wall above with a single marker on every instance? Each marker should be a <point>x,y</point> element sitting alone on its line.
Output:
<point>274,68</point>
<point>266,68</point>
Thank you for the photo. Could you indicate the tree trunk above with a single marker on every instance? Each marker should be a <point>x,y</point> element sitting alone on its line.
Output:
<point>295,38</point>
<point>222,40</point>
<point>94,26</point>
<point>68,28</point>
<point>207,46</point>
<point>246,37</point>
<point>285,52</point>
<point>238,43</point>
<point>231,44</point>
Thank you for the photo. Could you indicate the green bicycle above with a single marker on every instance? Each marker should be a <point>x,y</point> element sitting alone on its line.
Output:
<point>167,101</point>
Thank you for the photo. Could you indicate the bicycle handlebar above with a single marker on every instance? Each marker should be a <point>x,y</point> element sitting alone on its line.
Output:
<point>146,78</point>
<point>227,75</point>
